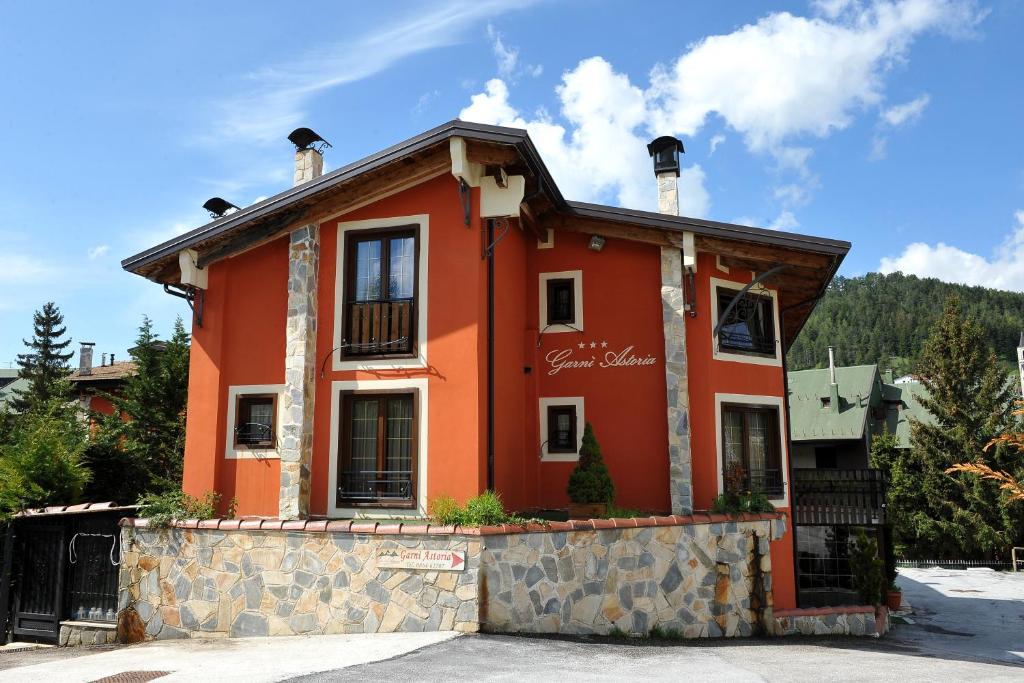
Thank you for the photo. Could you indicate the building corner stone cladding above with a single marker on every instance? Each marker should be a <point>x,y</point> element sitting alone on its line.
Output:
<point>698,577</point>
<point>676,381</point>
<point>296,431</point>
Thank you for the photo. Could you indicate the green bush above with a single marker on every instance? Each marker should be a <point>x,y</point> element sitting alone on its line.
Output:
<point>735,503</point>
<point>41,459</point>
<point>590,481</point>
<point>163,508</point>
<point>483,510</point>
<point>868,569</point>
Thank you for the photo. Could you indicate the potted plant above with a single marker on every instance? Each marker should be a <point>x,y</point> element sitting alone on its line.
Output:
<point>590,486</point>
<point>893,597</point>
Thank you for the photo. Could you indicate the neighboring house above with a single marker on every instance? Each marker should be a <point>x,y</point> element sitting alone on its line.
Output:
<point>90,382</point>
<point>438,319</point>
<point>10,386</point>
<point>835,412</point>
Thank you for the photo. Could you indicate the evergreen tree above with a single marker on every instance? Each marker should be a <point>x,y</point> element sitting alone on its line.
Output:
<point>46,365</point>
<point>590,482</point>
<point>970,401</point>
<point>140,449</point>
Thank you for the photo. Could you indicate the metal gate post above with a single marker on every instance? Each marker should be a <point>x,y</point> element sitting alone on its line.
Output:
<point>5,580</point>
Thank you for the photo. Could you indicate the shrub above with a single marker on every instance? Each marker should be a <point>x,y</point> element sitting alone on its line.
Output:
<point>590,482</point>
<point>41,459</point>
<point>868,569</point>
<point>483,510</point>
<point>734,503</point>
<point>163,508</point>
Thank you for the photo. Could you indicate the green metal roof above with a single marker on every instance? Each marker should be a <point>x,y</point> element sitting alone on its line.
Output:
<point>812,420</point>
<point>7,387</point>
<point>867,405</point>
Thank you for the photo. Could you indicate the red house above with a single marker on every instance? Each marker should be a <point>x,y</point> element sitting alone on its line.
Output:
<point>438,319</point>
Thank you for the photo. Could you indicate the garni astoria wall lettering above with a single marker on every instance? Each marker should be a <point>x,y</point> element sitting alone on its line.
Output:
<point>588,355</point>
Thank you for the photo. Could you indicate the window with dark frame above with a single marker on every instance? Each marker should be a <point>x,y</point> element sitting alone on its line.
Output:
<point>562,437</point>
<point>378,450</point>
<point>750,324</point>
<point>379,315</point>
<point>561,297</point>
<point>255,420</point>
<point>750,450</point>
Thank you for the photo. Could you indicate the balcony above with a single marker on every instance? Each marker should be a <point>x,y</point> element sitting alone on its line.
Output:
<point>379,327</point>
<point>834,496</point>
<point>376,488</point>
<point>768,482</point>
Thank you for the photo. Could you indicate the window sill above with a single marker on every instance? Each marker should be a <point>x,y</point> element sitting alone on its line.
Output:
<point>559,457</point>
<point>746,357</point>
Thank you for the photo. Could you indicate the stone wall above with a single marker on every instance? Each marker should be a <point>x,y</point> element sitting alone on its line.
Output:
<point>74,633</point>
<point>180,583</point>
<point>693,581</point>
<point>836,621</point>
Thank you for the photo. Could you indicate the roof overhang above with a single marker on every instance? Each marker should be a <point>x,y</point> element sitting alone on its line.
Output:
<point>813,261</point>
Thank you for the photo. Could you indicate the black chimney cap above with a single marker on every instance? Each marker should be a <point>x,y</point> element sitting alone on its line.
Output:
<point>666,151</point>
<point>218,207</point>
<point>306,138</point>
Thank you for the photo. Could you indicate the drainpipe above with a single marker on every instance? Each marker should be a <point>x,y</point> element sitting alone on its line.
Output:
<point>490,354</point>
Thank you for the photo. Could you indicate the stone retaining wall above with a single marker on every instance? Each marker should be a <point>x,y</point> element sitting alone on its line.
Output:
<point>73,633</point>
<point>693,581</point>
<point>696,576</point>
<point>837,621</point>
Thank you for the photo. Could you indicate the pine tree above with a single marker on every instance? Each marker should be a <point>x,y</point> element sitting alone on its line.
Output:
<point>590,481</point>
<point>140,449</point>
<point>970,401</point>
<point>46,365</point>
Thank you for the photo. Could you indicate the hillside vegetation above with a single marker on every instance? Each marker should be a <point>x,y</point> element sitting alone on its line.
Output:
<point>885,319</point>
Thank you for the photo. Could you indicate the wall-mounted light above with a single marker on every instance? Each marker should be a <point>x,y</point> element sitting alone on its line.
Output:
<point>596,243</point>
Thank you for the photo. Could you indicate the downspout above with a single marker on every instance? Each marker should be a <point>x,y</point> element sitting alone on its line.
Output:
<point>490,354</point>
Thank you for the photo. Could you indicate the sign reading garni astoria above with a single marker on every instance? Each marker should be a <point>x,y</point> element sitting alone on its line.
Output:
<point>418,558</point>
<point>586,355</point>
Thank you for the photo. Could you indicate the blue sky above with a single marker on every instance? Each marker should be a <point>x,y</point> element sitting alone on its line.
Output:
<point>895,125</point>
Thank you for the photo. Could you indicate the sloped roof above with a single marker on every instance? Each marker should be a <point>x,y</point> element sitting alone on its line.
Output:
<point>810,420</point>
<point>106,373</point>
<point>8,390</point>
<point>898,421</point>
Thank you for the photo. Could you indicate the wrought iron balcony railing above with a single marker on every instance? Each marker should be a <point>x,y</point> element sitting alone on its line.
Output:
<point>378,327</point>
<point>376,487</point>
<point>835,496</point>
<point>768,482</point>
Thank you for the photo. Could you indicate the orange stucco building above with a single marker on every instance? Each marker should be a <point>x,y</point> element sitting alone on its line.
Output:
<point>438,319</point>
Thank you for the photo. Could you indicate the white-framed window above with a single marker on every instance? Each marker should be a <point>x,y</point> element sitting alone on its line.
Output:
<point>549,240</point>
<point>253,421</point>
<point>751,334</point>
<point>751,444</point>
<point>561,428</point>
<point>561,301</point>
<point>388,308</point>
<point>362,413</point>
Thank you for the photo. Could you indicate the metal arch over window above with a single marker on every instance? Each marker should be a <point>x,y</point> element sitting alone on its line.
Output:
<point>380,293</point>
<point>746,322</point>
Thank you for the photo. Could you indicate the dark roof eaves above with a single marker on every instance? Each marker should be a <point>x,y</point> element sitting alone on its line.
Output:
<point>512,136</point>
<point>711,228</point>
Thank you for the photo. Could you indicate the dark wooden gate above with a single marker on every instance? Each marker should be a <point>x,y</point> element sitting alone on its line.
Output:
<point>40,567</point>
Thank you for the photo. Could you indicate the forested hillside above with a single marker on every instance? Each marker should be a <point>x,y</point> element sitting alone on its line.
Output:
<point>885,319</point>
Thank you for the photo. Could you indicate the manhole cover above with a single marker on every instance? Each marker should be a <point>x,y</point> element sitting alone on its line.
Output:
<point>132,677</point>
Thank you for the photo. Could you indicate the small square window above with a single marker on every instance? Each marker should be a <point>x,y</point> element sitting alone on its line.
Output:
<point>561,302</point>
<point>562,436</point>
<point>255,421</point>
<point>748,326</point>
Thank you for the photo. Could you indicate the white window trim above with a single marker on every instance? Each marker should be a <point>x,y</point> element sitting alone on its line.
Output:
<point>549,241</point>
<point>422,299</point>
<point>369,385</point>
<point>233,452</point>
<point>577,278</point>
<point>581,422</point>
<point>749,399</point>
<point>752,359</point>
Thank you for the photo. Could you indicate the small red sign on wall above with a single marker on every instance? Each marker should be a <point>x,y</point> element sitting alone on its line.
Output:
<point>419,558</point>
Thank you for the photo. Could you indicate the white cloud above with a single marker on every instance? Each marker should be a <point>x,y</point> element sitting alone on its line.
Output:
<point>1004,269</point>
<point>20,269</point>
<point>781,83</point>
<point>785,221</point>
<point>716,140</point>
<point>424,100</point>
<point>508,57</point>
<point>601,153</point>
<point>98,251</point>
<point>279,94</point>
<point>907,112</point>
<point>787,77</point>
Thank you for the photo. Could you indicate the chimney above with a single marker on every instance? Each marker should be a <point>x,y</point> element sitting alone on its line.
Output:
<point>665,152</point>
<point>309,157</point>
<point>111,359</point>
<point>85,358</point>
<point>833,389</point>
<point>104,361</point>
